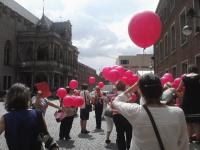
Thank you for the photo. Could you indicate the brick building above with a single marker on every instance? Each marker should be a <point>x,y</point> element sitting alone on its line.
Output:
<point>175,51</point>
<point>34,50</point>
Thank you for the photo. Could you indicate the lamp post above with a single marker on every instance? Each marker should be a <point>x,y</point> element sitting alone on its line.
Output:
<point>187,29</point>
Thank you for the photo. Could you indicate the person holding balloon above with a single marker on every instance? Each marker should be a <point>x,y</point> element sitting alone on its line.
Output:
<point>84,111</point>
<point>68,117</point>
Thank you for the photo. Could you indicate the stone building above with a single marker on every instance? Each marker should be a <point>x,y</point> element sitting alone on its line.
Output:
<point>34,50</point>
<point>175,51</point>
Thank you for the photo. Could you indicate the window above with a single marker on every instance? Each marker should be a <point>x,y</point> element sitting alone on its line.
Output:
<point>184,66</point>
<point>174,71</point>
<point>173,37</point>
<point>197,11</point>
<point>183,22</point>
<point>7,53</point>
<point>124,62</point>
<point>171,4</point>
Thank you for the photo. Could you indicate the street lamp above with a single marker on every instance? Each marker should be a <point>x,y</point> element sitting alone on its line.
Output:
<point>187,29</point>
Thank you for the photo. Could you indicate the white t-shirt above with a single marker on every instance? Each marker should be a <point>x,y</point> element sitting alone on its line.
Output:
<point>87,96</point>
<point>170,122</point>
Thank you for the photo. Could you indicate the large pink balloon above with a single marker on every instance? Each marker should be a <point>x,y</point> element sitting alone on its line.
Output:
<point>124,79</point>
<point>101,85</point>
<point>145,28</point>
<point>163,80</point>
<point>92,80</point>
<point>128,73</point>
<point>121,70</point>
<point>133,79</point>
<point>61,92</point>
<point>73,84</point>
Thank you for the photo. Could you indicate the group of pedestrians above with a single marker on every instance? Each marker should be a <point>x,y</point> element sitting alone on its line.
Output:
<point>152,125</point>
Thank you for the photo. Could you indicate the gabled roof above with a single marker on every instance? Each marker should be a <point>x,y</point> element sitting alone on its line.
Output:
<point>45,22</point>
<point>20,10</point>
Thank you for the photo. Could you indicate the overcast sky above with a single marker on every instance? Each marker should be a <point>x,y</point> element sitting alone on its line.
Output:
<point>99,27</point>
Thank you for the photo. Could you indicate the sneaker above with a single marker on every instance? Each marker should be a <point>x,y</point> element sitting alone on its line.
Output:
<point>67,138</point>
<point>84,131</point>
<point>107,141</point>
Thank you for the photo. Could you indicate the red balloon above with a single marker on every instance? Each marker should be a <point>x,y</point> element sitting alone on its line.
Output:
<point>73,84</point>
<point>121,70</point>
<point>92,80</point>
<point>61,92</point>
<point>105,72</point>
<point>163,81</point>
<point>176,83</point>
<point>78,101</point>
<point>128,73</point>
<point>145,28</point>
<point>101,85</point>
<point>169,77</point>
<point>124,79</point>
<point>68,101</point>
<point>133,79</point>
<point>114,75</point>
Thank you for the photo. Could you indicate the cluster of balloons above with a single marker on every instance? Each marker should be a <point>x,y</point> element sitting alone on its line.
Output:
<point>116,73</point>
<point>168,77</point>
<point>69,101</point>
<point>144,28</point>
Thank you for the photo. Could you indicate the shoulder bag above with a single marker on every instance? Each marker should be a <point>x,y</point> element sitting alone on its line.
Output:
<point>154,127</point>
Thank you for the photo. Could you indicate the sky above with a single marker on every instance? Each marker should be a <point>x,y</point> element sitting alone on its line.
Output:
<point>99,27</point>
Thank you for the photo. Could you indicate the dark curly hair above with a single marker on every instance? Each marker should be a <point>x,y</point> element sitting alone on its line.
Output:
<point>18,97</point>
<point>151,87</point>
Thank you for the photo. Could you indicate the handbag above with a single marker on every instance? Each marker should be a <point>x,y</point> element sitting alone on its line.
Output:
<point>108,112</point>
<point>154,127</point>
<point>59,115</point>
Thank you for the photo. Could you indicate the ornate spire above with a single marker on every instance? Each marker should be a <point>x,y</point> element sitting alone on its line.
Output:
<point>43,9</point>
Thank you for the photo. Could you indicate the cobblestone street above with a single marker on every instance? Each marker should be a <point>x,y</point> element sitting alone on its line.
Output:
<point>95,140</point>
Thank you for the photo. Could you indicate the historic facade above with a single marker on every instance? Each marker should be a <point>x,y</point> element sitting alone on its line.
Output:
<point>175,51</point>
<point>34,50</point>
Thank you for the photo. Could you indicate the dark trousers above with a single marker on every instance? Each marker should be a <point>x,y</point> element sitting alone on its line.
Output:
<point>123,128</point>
<point>98,113</point>
<point>65,126</point>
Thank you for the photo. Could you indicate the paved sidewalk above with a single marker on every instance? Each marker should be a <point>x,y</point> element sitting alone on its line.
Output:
<point>95,140</point>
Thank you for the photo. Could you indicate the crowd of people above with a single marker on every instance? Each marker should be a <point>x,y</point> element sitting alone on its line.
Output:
<point>152,122</point>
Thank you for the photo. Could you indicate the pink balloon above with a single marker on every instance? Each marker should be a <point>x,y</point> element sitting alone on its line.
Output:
<point>145,28</point>
<point>78,101</point>
<point>121,70</point>
<point>169,77</point>
<point>73,84</point>
<point>124,79</point>
<point>61,92</point>
<point>163,81</point>
<point>133,79</point>
<point>105,72</point>
<point>128,73</point>
<point>176,83</point>
<point>101,85</point>
<point>114,75</point>
<point>92,80</point>
<point>68,101</point>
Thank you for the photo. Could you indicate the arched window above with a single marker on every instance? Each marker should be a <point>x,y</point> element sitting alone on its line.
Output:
<point>7,53</point>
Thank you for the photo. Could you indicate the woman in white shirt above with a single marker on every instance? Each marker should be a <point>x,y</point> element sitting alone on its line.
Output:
<point>170,121</point>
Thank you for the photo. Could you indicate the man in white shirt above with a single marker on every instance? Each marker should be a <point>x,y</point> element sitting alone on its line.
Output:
<point>170,121</point>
